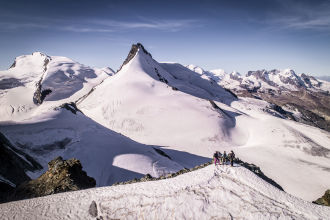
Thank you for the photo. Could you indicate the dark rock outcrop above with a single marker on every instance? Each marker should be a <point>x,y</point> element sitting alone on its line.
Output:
<point>148,177</point>
<point>40,94</point>
<point>14,163</point>
<point>13,65</point>
<point>159,151</point>
<point>132,52</point>
<point>93,209</point>
<point>61,176</point>
<point>5,191</point>
<point>256,170</point>
<point>71,107</point>
<point>324,200</point>
<point>313,106</point>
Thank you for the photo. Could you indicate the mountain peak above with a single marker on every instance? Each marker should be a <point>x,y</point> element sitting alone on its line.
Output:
<point>134,49</point>
<point>37,53</point>
<point>36,58</point>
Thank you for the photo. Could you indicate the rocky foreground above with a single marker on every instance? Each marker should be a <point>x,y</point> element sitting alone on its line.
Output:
<point>61,176</point>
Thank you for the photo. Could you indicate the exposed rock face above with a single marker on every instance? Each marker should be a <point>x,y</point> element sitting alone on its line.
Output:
<point>256,170</point>
<point>12,164</point>
<point>72,107</point>
<point>313,107</point>
<point>40,94</point>
<point>61,176</point>
<point>132,52</point>
<point>93,209</point>
<point>306,96</point>
<point>5,191</point>
<point>325,199</point>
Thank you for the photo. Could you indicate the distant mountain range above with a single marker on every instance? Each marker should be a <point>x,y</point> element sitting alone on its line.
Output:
<point>301,97</point>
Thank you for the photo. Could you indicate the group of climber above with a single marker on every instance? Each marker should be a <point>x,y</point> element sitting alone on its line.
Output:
<point>223,158</point>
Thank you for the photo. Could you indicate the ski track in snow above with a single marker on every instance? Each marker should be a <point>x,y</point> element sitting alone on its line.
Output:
<point>221,192</point>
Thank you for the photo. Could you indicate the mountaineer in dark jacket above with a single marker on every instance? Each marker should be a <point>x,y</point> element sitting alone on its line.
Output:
<point>231,157</point>
<point>224,158</point>
<point>216,157</point>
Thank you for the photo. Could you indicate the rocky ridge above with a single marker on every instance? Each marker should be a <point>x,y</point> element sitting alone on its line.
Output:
<point>324,200</point>
<point>61,176</point>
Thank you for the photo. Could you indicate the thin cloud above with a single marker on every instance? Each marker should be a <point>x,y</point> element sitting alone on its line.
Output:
<point>320,22</point>
<point>299,15</point>
<point>84,30</point>
<point>102,26</point>
<point>164,25</point>
<point>24,25</point>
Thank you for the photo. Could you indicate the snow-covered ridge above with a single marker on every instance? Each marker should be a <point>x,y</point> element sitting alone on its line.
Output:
<point>222,192</point>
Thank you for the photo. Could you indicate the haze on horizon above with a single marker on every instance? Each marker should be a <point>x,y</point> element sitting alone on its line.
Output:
<point>232,35</point>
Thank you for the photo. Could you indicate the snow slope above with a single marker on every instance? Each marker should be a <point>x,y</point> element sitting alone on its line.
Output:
<point>295,155</point>
<point>208,193</point>
<point>105,155</point>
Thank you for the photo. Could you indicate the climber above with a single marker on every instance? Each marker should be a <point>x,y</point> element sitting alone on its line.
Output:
<point>216,156</point>
<point>224,158</point>
<point>231,157</point>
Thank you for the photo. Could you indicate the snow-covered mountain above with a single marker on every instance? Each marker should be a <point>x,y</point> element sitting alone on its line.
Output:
<point>304,97</point>
<point>208,193</point>
<point>121,125</point>
<point>37,78</point>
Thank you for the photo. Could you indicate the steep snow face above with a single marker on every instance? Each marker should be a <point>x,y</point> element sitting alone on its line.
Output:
<point>195,84</point>
<point>105,155</point>
<point>161,104</point>
<point>38,78</point>
<point>208,193</point>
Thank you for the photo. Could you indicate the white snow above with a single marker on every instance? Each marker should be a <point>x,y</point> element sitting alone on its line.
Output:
<point>209,193</point>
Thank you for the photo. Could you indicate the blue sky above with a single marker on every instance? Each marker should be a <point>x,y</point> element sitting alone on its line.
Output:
<point>236,35</point>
